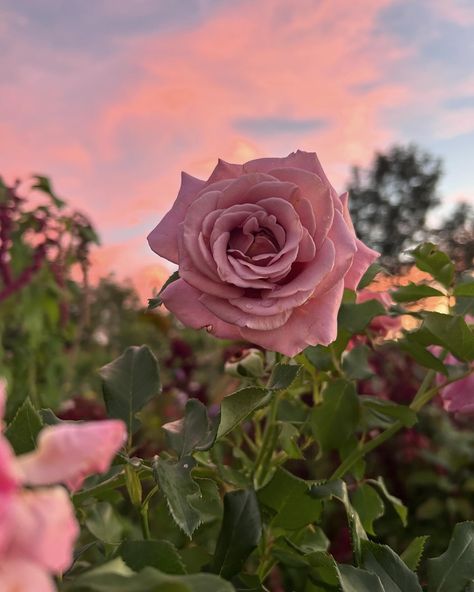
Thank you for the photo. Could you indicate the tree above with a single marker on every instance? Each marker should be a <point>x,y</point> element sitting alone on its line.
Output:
<point>456,236</point>
<point>389,202</point>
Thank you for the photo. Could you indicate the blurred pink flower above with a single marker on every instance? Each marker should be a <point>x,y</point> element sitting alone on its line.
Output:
<point>68,453</point>
<point>38,527</point>
<point>457,397</point>
<point>264,249</point>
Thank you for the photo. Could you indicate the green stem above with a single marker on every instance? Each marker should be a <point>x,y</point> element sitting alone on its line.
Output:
<point>144,523</point>
<point>422,397</point>
<point>266,450</point>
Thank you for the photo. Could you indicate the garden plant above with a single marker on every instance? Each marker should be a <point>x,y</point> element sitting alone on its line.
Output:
<point>279,483</point>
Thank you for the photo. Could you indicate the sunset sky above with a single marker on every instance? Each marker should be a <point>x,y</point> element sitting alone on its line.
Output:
<point>112,99</point>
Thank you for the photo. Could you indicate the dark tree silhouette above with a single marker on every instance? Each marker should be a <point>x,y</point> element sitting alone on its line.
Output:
<point>389,202</point>
<point>456,236</point>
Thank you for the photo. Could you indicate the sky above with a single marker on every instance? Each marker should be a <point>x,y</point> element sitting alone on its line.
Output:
<point>113,99</point>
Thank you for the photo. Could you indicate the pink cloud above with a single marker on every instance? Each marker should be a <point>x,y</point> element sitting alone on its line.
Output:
<point>115,131</point>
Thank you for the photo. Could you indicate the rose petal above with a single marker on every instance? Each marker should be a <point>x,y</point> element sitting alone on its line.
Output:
<point>275,188</point>
<point>225,170</point>
<point>317,193</point>
<point>183,301</point>
<point>364,255</point>
<point>200,277</point>
<point>345,246</point>
<point>9,475</point>
<point>362,259</point>
<point>313,323</point>
<point>458,397</point>
<point>42,528</point>
<point>306,248</point>
<point>224,310</point>
<point>163,238</point>
<point>236,191</point>
<point>3,400</point>
<point>17,575</point>
<point>68,453</point>
<point>307,161</point>
<point>312,274</point>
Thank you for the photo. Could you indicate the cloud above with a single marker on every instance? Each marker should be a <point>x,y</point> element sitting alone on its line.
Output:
<point>466,102</point>
<point>264,126</point>
<point>114,100</point>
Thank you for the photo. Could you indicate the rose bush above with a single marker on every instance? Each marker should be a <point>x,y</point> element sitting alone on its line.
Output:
<point>265,250</point>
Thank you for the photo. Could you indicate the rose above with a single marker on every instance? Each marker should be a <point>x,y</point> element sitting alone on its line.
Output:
<point>458,396</point>
<point>38,527</point>
<point>264,249</point>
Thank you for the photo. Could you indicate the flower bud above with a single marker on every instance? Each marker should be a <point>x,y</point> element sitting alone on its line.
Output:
<point>134,486</point>
<point>248,363</point>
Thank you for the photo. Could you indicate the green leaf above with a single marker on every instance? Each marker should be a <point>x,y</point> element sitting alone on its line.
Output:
<point>25,426</point>
<point>289,497</point>
<point>356,317</point>
<point>116,577</point>
<point>369,275</point>
<point>194,432</point>
<point>44,184</point>
<point>324,569</point>
<point>282,376</point>
<point>180,490</point>
<point>338,490</point>
<point>159,554</point>
<point>235,408</point>
<point>156,301</point>
<point>248,583</point>
<point>354,579</point>
<point>392,572</point>
<point>129,382</point>
<point>308,540</point>
<point>369,505</point>
<point>465,289</point>
<point>355,363</point>
<point>454,569</point>
<point>104,524</point>
<point>390,410</point>
<point>413,292</point>
<point>421,354</point>
<point>319,356</point>
<point>413,553</point>
<point>240,532</point>
<point>397,504</point>
<point>335,419</point>
<point>49,418</point>
<point>452,332</point>
<point>430,259</point>
<point>288,439</point>
<point>464,306</point>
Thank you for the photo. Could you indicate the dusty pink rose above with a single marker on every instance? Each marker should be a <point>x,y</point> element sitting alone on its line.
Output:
<point>383,324</point>
<point>264,250</point>
<point>38,527</point>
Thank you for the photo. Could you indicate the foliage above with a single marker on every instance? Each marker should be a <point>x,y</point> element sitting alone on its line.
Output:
<point>337,470</point>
